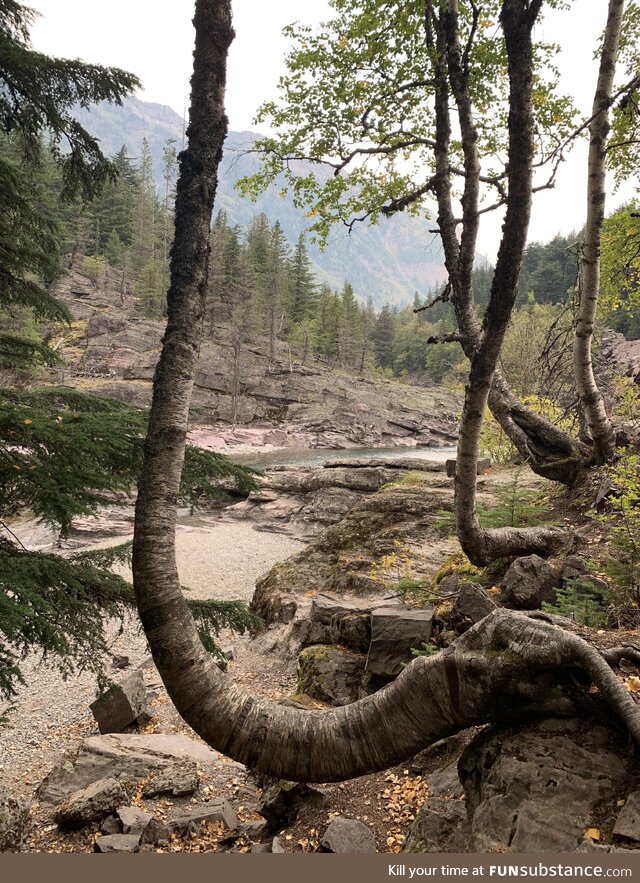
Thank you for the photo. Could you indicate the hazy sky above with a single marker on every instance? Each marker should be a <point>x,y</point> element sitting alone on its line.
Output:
<point>155,41</point>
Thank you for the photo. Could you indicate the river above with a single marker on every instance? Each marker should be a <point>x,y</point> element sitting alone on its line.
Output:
<point>294,456</point>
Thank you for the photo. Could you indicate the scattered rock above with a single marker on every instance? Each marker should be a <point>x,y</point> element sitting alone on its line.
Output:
<point>628,821</point>
<point>14,816</point>
<point>352,631</point>
<point>276,846</point>
<point>177,779</point>
<point>282,802</point>
<point>155,833</point>
<point>91,804</point>
<point>330,674</point>
<point>528,583</point>
<point>344,836</point>
<point>120,661</point>
<point>394,631</point>
<point>117,843</point>
<point>121,704</point>
<point>133,819</point>
<point>123,756</point>
<point>219,810</point>
<point>111,825</point>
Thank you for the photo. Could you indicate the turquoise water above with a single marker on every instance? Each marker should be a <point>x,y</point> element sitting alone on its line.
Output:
<point>317,456</point>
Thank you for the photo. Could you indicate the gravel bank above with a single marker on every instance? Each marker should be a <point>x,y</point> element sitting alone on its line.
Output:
<point>216,560</point>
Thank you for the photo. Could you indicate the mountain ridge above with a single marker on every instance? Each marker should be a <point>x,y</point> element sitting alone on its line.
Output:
<point>389,262</point>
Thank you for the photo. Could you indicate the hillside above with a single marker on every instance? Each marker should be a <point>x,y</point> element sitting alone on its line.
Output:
<point>388,262</point>
<point>112,349</point>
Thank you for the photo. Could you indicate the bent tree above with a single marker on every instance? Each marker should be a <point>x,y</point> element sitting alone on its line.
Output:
<point>510,664</point>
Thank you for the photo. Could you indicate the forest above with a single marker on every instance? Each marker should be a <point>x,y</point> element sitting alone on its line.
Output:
<point>435,620</point>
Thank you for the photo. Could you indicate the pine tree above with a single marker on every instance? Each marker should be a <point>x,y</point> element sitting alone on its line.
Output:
<point>303,288</point>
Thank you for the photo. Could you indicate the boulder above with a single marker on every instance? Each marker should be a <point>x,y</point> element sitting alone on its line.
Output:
<point>521,782</point>
<point>394,632</point>
<point>111,825</point>
<point>576,569</point>
<point>132,819</point>
<point>14,816</point>
<point>276,846</point>
<point>91,804</point>
<point>330,674</point>
<point>344,836</point>
<point>446,782</point>
<point>282,803</point>
<point>528,583</point>
<point>121,704</point>
<point>123,756</point>
<point>178,778</point>
<point>328,610</point>
<point>117,843</point>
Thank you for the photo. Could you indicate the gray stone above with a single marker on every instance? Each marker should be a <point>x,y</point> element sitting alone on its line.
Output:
<point>261,847</point>
<point>133,819</point>
<point>91,804</point>
<point>628,821</point>
<point>219,810</point>
<point>437,827</point>
<point>121,704</point>
<point>117,843</point>
<point>528,583</point>
<point>111,825</point>
<point>282,803</point>
<point>394,632</point>
<point>446,782</point>
<point>352,630</point>
<point>346,836</point>
<point>327,609</point>
<point>177,778</point>
<point>155,832</point>
<point>330,674</point>
<point>127,757</point>
<point>520,784</point>
<point>277,847</point>
<point>14,817</point>
<point>473,603</point>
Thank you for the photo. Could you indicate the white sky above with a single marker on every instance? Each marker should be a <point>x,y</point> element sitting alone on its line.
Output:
<point>155,40</point>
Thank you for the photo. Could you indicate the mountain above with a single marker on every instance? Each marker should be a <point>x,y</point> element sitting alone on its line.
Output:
<point>389,261</point>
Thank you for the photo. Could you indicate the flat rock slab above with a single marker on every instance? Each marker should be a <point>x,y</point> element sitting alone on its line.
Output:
<point>133,820</point>
<point>394,632</point>
<point>123,756</point>
<point>347,836</point>
<point>117,843</point>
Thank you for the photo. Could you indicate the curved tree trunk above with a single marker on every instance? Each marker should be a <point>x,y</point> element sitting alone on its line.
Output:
<point>489,675</point>
<point>598,422</point>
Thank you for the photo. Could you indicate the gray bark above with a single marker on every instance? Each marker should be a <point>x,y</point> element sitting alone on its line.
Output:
<point>598,423</point>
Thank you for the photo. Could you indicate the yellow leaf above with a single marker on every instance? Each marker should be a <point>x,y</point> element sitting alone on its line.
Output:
<point>633,684</point>
<point>592,833</point>
<point>27,422</point>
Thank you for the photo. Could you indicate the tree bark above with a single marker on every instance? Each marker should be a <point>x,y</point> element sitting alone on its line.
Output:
<point>549,451</point>
<point>598,423</point>
<point>480,545</point>
<point>491,673</point>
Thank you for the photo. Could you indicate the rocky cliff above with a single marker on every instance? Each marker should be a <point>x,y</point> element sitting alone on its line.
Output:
<point>112,349</point>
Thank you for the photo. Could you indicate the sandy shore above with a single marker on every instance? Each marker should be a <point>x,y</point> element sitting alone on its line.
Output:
<point>215,560</point>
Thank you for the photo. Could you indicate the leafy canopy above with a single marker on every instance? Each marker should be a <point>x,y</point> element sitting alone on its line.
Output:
<point>358,99</point>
